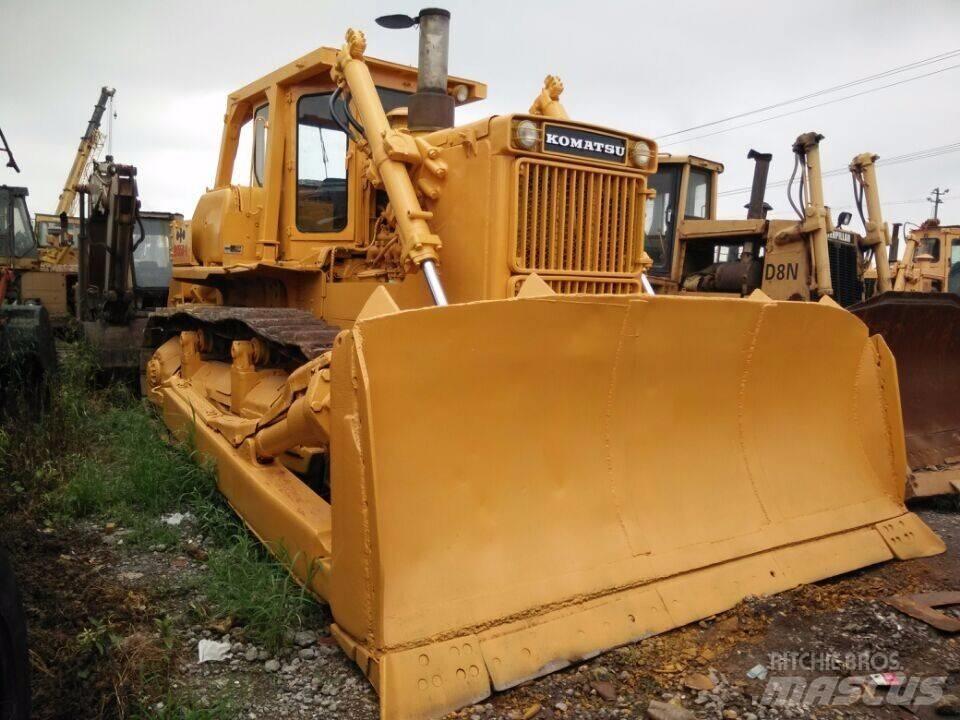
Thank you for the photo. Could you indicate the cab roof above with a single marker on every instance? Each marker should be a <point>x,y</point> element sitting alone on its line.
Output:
<point>316,66</point>
<point>669,159</point>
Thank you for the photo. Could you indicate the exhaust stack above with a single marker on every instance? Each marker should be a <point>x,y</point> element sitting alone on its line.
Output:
<point>757,208</point>
<point>430,108</point>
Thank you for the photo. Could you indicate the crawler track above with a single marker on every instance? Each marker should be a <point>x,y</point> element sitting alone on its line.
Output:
<point>294,336</point>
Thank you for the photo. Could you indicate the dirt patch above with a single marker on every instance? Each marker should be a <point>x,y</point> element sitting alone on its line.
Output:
<point>107,618</point>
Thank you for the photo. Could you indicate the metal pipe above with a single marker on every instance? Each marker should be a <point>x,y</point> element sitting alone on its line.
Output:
<point>895,241</point>
<point>433,282</point>
<point>431,108</point>
<point>755,210</point>
<point>434,50</point>
<point>647,287</point>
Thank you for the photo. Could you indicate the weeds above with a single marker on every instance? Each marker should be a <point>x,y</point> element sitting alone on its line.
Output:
<point>101,455</point>
<point>256,593</point>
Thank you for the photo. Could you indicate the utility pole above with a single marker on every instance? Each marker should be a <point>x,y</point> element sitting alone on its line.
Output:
<point>937,192</point>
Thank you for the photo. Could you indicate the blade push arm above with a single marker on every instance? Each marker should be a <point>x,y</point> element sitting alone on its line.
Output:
<point>864,171</point>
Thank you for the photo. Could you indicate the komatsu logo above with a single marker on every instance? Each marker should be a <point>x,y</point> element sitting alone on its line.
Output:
<point>584,144</point>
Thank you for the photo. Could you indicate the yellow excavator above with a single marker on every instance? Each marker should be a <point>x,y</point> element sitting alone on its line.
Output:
<point>424,363</point>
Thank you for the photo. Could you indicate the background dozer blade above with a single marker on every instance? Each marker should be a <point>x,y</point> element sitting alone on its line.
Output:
<point>923,332</point>
<point>521,484</point>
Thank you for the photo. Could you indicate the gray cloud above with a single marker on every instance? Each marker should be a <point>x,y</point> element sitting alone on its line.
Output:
<point>645,67</point>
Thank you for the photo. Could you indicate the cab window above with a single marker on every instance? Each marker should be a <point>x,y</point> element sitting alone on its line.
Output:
<point>23,241</point>
<point>321,167</point>
<point>322,187</point>
<point>151,258</point>
<point>698,194</point>
<point>929,246</point>
<point>661,217</point>
<point>259,143</point>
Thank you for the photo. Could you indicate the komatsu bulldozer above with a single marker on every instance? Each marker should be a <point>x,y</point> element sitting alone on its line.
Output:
<point>422,359</point>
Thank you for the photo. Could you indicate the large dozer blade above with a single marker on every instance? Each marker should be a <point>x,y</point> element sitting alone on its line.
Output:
<point>923,332</point>
<point>521,484</point>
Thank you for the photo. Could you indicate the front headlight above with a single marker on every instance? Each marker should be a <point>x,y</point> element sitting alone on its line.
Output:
<point>640,154</point>
<point>527,134</point>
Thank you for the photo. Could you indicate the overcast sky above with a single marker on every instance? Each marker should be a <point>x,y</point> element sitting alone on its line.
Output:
<point>645,67</point>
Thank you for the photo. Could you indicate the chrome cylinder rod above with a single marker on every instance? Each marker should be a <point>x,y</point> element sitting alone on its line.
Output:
<point>647,287</point>
<point>429,268</point>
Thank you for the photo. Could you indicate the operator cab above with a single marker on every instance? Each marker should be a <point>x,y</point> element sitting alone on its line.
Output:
<point>17,241</point>
<point>685,195</point>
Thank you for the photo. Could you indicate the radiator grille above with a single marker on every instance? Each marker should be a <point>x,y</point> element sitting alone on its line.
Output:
<point>576,220</point>
<point>847,288</point>
<point>583,286</point>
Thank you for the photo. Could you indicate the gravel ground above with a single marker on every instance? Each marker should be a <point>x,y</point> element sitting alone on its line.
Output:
<point>697,671</point>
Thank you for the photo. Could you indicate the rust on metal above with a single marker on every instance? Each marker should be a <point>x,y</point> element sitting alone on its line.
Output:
<point>920,329</point>
<point>922,607</point>
<point>298,332</point>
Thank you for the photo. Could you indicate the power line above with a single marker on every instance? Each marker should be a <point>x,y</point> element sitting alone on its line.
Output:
<point>892,160</point>
<point>825,91</point>
<point>811,107</point>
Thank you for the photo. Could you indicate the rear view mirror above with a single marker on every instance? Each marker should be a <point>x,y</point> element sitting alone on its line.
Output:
<point>844,219</point>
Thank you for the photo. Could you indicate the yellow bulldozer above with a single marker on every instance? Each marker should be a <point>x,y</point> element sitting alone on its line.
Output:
<point>910,302</point>
<point>915,306</point>
<point>423,360</point>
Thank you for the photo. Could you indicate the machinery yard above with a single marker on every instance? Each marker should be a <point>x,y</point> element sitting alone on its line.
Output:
<point>489,401</point>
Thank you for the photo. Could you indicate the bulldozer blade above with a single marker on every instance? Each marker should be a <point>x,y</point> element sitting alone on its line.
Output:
<point>923,332</point>
<point>521,484</point>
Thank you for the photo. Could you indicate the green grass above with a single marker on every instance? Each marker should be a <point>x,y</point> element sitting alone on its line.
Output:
<point>256,593</point>
<point>102,455</point>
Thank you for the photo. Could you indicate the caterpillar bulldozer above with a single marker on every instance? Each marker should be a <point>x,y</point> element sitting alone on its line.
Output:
<point>913,303</point>
<point>909,302</point>
<point>422,359</point>
<point>810,258</point>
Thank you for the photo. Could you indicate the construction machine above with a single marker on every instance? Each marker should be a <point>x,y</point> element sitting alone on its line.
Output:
<point>27,353</point>
<point>422,360</point>
<point>695,252</point>
<point>53,277</point>
<point>804,259</point>
<point>123,265</point>
<point>913,303</point>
